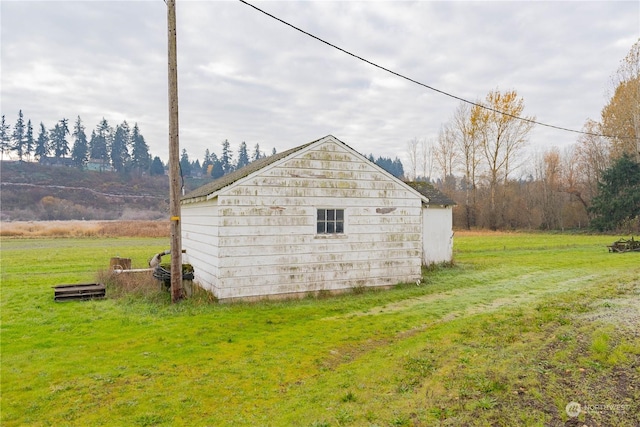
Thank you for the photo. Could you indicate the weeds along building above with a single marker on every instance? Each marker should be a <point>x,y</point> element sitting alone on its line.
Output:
<point>318,217</point>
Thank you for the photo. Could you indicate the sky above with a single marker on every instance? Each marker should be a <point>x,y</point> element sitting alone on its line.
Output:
<point>243,76</point>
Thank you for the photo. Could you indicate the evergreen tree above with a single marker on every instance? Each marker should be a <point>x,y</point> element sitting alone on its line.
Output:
<point>5,138</point>
<point>226,159</point>
<point>385,163</point>
<point>243,156</point>
<point>185,166</point>
<point>206,163</point>
<point>53,134</point>
<point>398,169</point>
<point>195,167</point>
<point>100,141</point>
<point>217,170</point>
<point>156,168</point>
<point>18,136</point>
<point>42,143</point>
<point>257,155</point>
<point>93,143</point>
<point>59,141</point>
<point>29,143</point>
<point>80,150</point>
<point>394,167</point>
<point>140,159</point>
<point>618,201</point>
<point>120,147</point>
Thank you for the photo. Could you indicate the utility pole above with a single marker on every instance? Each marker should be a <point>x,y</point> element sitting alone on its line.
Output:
<point>174,159</point>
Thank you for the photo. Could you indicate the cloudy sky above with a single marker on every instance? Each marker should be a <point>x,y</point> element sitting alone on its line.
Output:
<point>244,76</point>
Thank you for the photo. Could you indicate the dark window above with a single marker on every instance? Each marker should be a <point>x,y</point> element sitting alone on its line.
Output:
<point>330,221</point>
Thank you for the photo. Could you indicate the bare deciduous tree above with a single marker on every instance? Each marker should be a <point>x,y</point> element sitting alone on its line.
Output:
<point>592,155</point>
<point>550,183</point>
<point>445,155</point>
<point>502,137</point>
<point>467,144</point>
<point>427,158</point>
<point>412,147</point>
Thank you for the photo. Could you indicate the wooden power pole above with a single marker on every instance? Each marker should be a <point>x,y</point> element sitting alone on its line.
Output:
<point>175,177</point>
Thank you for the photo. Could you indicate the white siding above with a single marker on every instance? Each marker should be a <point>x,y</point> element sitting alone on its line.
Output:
<point>201,241</point>
<point>260,237</point>
<point>437,234</point>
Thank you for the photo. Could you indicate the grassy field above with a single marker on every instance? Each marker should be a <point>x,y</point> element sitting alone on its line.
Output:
<point>521,326</point>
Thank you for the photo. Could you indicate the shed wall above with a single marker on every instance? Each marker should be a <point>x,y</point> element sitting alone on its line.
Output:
<point>266,242</point>
<point>437,226</point>
<point>201,241</point>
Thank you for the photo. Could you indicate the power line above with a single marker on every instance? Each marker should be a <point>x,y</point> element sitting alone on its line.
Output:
<point>402,76</point>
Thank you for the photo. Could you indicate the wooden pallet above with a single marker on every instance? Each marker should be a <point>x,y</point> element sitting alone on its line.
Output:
<point>83,291</point>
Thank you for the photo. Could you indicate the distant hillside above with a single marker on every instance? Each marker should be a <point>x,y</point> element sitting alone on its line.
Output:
<point>31,192</point>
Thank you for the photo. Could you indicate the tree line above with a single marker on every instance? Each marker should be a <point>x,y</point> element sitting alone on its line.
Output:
<point>227,161</point>
<point>122,148</point>
<point>216,166</point>
<point>479,160</point>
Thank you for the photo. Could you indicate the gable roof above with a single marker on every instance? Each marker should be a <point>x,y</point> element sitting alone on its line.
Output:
<point>229,179</point>
<point>236,175</point>
<point>434,195</point>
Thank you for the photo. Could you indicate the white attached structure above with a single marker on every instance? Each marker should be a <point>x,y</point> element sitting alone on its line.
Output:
<point>317,217</point>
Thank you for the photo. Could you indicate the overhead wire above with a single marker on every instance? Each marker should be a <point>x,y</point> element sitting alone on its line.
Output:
<point>450,95</point>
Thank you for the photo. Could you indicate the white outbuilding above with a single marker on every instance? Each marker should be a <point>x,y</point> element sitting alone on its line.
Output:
<point>318,217</point>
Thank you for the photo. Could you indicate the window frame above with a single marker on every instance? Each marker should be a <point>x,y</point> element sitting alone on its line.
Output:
<point>332,221</point>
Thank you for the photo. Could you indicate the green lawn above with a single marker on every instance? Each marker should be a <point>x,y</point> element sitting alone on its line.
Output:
<point>522,325</point>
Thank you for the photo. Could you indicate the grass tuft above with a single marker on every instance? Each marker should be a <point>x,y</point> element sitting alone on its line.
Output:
<point>138,285</point>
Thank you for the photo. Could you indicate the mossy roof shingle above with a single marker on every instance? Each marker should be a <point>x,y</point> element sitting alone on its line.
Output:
<point>435,196</point>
